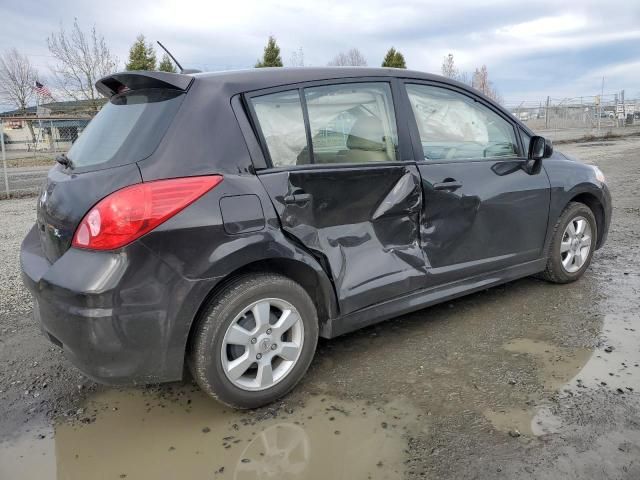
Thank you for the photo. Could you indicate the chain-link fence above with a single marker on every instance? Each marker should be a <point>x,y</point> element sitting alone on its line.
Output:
<point>31,143</point>
<point>563,119</point>
<point>30,146</point>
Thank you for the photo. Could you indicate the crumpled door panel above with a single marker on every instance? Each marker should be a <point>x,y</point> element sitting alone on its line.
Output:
<point>363,223</point>
<point>495,218</point>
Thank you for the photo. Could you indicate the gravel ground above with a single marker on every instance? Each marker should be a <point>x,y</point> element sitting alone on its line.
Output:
<point>16,218</point>
<point>34,377</point>
<point>525,380</point>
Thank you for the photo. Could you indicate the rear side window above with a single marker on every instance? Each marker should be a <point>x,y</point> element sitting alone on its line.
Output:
<point>352,123</point>
<point>453,126</point>
<point>282,124</point>
<point>348,123</point>
<point>127,129</point>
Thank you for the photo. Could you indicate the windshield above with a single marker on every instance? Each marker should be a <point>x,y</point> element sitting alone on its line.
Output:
<point>127,129</point>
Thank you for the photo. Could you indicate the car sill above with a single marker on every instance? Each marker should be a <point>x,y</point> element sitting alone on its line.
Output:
<point>424,298</point>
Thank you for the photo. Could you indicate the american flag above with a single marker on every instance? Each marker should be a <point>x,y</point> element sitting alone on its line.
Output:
<point>42,90</point>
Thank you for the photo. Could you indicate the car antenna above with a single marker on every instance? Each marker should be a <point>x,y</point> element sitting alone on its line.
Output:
<point>172,57</point>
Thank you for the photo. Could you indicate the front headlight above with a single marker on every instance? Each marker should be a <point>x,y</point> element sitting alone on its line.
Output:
<point>599,175</point>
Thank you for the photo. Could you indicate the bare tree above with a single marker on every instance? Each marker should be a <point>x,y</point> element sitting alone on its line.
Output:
<point>82,59</point>
<point>297,58</point>
<point>17,81</point>
<point>353,58</point>
<point>480,81</point>
<point>449,68</point>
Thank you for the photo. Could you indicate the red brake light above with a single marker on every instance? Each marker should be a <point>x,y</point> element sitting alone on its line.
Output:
<point>127,214</point>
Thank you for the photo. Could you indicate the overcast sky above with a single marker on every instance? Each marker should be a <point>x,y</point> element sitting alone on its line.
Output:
<point>532,49</point>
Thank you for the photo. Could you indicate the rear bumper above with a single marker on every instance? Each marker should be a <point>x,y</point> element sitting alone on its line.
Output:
<point>121,317</point>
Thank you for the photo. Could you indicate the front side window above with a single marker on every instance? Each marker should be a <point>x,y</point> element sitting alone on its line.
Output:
<point>280,118</point>
<point>453,126</point>
<point>352,123</point>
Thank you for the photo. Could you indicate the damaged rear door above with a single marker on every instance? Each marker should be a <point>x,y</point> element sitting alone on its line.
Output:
<point>340,187</point>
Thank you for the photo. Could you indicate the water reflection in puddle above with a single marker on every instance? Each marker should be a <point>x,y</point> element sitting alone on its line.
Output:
<point>614,365</point>
<point>133,434</point>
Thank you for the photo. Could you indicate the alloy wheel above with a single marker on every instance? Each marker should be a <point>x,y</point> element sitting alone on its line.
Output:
<point>262,344</point>
<point>576,244</point>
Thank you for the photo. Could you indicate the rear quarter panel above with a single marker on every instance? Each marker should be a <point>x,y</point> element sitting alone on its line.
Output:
<point>198,245</point>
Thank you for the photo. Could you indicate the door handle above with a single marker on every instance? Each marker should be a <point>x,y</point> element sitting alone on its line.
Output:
<point>298,198</point>
<point>447,185</point>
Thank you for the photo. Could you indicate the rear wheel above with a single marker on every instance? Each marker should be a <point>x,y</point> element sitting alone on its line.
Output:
<point>572,245</point>
<point>255,340</point>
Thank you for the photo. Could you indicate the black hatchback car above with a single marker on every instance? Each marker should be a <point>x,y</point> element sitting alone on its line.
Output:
<point>225,221</point>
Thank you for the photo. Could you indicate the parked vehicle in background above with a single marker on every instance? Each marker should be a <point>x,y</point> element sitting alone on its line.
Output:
<point>228,220</point>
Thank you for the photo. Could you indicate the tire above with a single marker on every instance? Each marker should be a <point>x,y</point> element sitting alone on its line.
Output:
<point>555,270</point>
<point>213,352</point>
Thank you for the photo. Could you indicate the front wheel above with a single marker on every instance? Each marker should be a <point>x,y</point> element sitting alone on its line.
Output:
<point>572,245</point>
<point>255,340</point>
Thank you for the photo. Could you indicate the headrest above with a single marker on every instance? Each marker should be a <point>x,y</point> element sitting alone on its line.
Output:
<point>366,134</point>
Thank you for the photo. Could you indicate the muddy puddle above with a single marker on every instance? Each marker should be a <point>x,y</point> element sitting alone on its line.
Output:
<point>459,377</point>
<point>142,435</point>
<point>613,365</point>
<point>164,432</point>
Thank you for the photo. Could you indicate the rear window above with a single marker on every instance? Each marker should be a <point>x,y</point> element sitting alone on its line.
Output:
<point>127,129</point>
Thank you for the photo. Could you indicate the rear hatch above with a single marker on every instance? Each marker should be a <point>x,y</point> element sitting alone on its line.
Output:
<point>103,159</point>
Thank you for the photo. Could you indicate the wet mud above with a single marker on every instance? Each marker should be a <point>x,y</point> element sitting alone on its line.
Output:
<point>139,434</point>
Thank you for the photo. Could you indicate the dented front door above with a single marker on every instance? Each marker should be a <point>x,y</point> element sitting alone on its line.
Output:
<point>362,223</point>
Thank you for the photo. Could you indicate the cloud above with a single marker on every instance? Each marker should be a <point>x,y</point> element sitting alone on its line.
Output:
<point>548,46</point>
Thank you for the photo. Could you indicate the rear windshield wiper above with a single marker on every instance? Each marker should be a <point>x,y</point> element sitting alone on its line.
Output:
<point>65,161</point>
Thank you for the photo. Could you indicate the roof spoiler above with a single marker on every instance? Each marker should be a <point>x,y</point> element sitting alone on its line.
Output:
<point>136,80</point>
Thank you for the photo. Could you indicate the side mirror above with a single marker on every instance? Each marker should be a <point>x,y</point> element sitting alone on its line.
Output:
<point>539,148</point>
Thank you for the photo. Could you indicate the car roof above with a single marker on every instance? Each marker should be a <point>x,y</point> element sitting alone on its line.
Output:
<point>260,78</point>
<point>233,82</point>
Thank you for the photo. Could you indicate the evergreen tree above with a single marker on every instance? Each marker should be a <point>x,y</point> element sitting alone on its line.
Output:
<point>142,55</point>
<point>271,57</point>
<point>394,59</point>
<point>166,65</point>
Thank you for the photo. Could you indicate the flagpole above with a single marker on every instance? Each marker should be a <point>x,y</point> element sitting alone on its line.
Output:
<point>39,123</point>
<point>35,140</point>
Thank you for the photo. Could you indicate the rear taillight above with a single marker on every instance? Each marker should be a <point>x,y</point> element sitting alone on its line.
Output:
<point>127,214</point>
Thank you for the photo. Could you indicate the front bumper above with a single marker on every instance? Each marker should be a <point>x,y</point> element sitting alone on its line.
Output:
<point>608,211</point>
<point>121,317</point>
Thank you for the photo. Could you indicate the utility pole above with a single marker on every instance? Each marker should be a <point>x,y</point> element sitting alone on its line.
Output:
<point>598,110</point>
<point>601,109</point>
<point>518,110</point>
<point>546,114</point>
